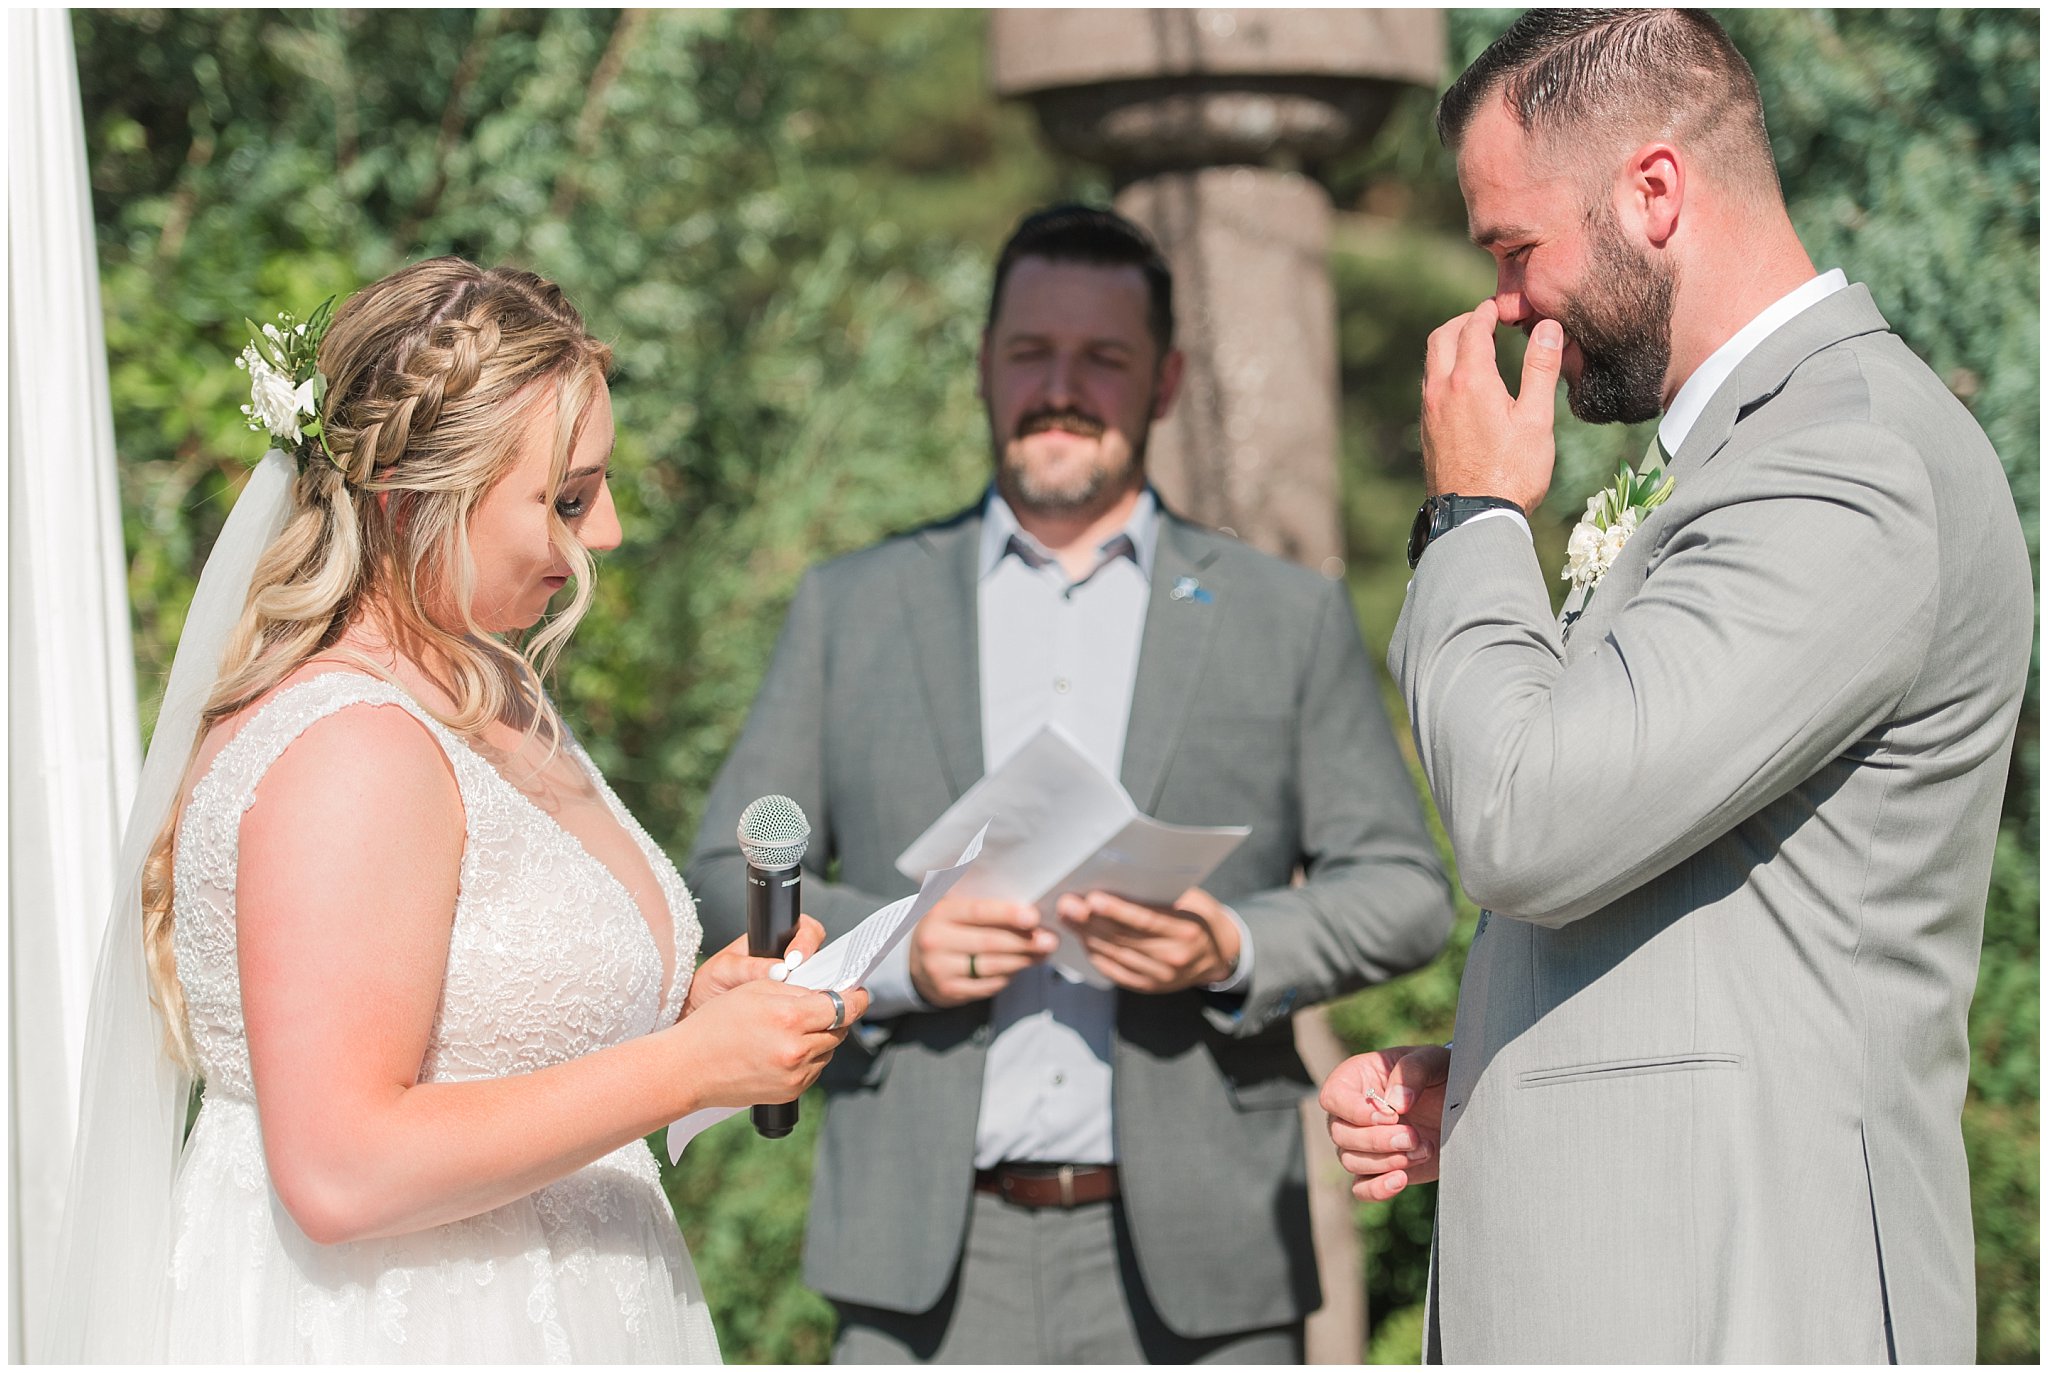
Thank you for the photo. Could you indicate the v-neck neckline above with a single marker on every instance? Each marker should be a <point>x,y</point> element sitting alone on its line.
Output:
<point>613,807</point>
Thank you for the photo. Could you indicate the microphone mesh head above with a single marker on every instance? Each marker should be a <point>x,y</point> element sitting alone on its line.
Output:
<point>774,833</point>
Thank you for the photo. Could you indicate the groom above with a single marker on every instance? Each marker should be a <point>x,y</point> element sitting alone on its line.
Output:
<point>1735,828</point>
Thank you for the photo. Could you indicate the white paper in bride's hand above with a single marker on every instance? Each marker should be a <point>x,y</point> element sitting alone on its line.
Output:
<point>845,963</point>
<point>1062,824</point>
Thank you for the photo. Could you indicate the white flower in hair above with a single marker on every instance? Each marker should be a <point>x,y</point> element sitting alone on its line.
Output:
<point>285,382</point>
<point>273,402</point>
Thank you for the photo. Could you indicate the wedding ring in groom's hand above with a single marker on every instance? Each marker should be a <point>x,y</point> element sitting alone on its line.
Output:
<point>838,1009</point>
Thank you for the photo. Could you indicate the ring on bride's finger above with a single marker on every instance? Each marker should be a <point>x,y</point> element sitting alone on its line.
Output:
<point>972,971</point>
<point>838,1009</point>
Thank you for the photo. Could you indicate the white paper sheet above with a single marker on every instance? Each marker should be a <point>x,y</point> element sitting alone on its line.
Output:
<point>846,962</point>
<point>1056,822</point>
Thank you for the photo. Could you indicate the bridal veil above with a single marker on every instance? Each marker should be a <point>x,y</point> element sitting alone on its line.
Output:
<point>112,1292</point>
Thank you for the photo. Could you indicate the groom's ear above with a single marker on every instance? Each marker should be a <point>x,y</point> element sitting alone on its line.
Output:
<point>1656,185</point>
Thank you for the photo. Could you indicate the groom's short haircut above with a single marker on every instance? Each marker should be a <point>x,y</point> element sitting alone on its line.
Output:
<point>1095,237</point>
<point>1598,78</point>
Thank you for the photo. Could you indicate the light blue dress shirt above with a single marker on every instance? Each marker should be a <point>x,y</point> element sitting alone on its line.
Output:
<point>1052,649</point>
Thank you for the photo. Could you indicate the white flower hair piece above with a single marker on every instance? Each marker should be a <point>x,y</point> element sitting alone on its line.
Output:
<point>1612,517</point>
<point>286,385</point>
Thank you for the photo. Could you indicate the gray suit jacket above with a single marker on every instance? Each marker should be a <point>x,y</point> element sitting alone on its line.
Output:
<point>1710,1054</point>
<point>1257,706</point>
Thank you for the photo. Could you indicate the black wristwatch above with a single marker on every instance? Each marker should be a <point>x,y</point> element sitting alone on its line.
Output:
<point>1441,514</point>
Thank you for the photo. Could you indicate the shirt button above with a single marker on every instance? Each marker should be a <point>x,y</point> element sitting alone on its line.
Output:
<point>1061,685</point>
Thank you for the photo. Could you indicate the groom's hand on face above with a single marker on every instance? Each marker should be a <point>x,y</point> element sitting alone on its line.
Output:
<point>1155,949</point>
<point>1477,440</point>
<point>965,950</point>
<point>1386,1149</point>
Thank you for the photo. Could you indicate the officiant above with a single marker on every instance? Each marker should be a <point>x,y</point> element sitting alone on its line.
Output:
<point>1015,1166</point>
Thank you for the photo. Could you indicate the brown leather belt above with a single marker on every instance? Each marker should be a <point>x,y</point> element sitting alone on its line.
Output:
<point>1065,1185</point>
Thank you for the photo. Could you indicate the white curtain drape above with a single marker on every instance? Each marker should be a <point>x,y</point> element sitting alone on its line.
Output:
<point>73,741</point>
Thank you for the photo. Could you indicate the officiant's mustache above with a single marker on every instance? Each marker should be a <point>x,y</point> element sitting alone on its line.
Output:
<point>1073,421</point>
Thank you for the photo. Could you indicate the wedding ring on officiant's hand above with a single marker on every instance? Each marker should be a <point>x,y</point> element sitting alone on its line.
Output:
<point>972,971</point>
<point>838,1009</point>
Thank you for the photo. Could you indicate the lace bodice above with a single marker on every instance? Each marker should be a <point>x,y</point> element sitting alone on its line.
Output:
<point>549,957</point>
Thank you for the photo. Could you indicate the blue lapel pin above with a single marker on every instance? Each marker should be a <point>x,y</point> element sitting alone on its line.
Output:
<point>1188,589</point>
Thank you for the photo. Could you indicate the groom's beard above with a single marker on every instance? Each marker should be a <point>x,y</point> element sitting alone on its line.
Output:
<point>1622,324</point>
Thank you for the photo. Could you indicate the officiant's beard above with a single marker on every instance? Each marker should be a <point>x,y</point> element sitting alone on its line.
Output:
<point>1621,323</point>
<point>1096,487</point>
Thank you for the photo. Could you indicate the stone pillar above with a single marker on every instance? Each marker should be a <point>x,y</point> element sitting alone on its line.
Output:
<point>1252,444</point>
<point>1213,124</point>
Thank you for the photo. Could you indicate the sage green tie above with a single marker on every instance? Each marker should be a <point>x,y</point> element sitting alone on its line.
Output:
<point>1654,455</point>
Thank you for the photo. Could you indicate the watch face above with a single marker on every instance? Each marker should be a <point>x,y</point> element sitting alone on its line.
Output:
<point>1418,535</point>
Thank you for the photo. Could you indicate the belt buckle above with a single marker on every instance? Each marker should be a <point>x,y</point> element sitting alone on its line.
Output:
<point>1066,1176</point>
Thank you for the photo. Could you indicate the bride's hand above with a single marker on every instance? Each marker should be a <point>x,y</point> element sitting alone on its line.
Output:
<point>764,1042</point>
<point>731,965</point>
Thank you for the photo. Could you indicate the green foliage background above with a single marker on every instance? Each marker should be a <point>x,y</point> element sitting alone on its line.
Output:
<point>783,221</point>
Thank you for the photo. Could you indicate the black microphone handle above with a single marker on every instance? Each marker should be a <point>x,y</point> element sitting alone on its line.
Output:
<point>773,900</point>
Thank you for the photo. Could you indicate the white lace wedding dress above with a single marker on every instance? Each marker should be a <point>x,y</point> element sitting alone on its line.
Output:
<point>549,959</point>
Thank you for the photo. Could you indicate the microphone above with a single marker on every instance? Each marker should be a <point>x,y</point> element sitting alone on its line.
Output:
<point>773,836</point>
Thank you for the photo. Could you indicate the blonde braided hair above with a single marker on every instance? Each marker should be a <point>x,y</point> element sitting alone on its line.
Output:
<point>432,373</point>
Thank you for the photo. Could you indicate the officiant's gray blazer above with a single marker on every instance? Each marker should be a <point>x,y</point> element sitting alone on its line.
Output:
<point>1254,704</point>
<point>1736,831</point>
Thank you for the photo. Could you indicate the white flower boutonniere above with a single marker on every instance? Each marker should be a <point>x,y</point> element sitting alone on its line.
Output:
<point>1612,517</point>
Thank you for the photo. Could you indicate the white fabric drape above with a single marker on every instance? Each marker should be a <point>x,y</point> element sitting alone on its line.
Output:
<point>73,737</point>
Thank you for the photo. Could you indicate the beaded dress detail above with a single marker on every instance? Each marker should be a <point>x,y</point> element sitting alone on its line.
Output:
<point>548,959</point>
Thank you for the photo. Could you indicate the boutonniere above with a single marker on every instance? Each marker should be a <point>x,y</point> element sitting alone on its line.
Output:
<point>1612,517</point>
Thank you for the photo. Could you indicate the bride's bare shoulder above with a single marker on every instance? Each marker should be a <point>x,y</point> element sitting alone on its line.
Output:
<point>367,745</point>
<point>362,797</point>
<point>368,771</point>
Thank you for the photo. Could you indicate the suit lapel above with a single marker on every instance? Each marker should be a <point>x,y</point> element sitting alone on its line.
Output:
<point>1178,632</point>
<point>940,603</point>
<point>1848,313</point>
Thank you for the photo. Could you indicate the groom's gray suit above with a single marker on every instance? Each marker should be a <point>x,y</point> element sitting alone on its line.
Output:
<point>1737,831</point>
<point>1254,704</point>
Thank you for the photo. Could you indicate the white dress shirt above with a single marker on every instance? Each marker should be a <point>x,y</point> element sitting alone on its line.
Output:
<point>1686,407</point>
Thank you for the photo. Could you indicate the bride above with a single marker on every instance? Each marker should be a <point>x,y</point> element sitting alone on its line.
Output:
<point>436,981</point>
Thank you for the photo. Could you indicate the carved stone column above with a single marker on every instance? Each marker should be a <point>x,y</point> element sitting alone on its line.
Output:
<point>1214,124</point>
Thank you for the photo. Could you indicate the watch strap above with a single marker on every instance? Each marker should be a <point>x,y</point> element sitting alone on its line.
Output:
<point>1439,515</point>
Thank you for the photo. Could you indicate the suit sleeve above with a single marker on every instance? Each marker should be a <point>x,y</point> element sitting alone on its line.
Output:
<point>1780,624</point>
<point>1374,902</point>
<point>780,750</point>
